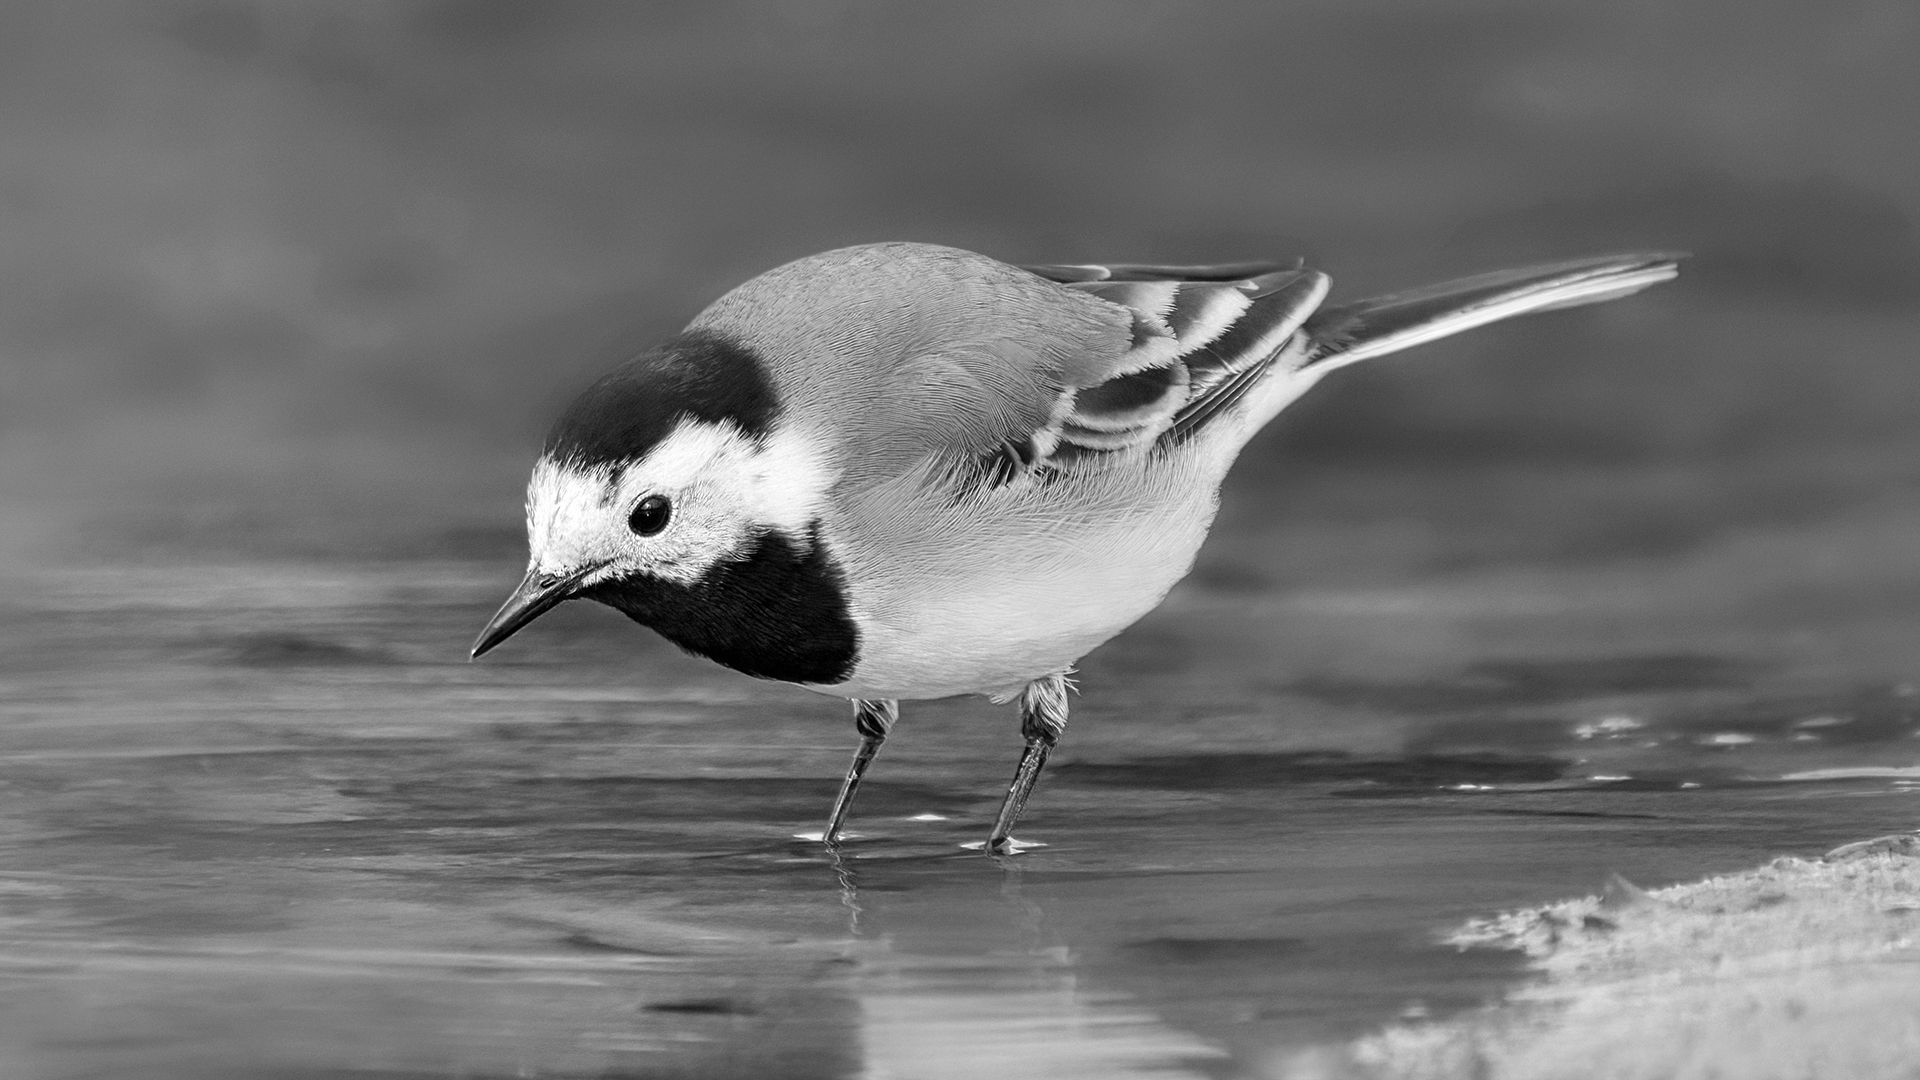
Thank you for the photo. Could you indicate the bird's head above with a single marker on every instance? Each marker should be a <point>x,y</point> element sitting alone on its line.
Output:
<point>672,466</point>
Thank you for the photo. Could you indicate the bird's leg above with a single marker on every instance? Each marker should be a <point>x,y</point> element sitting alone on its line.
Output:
<point>1043,719</point>
<point>873,719</point>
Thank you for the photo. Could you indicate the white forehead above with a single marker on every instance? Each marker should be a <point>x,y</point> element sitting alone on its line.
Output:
<point>711,471</point>
<point>567,507</point>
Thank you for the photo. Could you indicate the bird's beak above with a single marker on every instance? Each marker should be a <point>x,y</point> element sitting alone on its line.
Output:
<point>537,594</point>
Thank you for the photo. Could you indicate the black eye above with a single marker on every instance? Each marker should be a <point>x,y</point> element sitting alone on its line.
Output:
<point>651,515</point>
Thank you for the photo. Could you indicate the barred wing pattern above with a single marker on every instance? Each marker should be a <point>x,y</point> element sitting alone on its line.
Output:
<point>1204,335</point>
<point>1201,336</point>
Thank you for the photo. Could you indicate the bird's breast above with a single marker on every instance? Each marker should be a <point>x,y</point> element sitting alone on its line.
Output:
<point>984,598</point>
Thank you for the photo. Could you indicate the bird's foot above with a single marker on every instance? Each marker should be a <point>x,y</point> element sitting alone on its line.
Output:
<point>1006,845</point>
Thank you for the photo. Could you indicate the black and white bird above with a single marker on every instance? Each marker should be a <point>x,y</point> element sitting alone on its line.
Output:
<point>903,471</point>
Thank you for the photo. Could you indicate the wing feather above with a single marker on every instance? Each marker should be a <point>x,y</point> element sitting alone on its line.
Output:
<point>1205,337</point>
<point>1200,343</point>
<point>914,355</point>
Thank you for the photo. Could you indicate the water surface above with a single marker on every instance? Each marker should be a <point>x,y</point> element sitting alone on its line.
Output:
<point>262,819</point>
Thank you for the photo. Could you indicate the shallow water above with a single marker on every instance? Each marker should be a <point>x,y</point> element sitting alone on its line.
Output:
<point>291,291</point>
<point>261,818</point>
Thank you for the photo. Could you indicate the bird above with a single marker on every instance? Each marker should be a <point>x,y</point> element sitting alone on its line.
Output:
<point>905,471</point>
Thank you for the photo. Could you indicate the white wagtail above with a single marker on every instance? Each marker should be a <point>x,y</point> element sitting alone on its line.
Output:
<point>908,471</point>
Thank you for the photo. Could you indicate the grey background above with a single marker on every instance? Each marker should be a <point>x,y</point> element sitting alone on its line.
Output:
<point>313,277</point>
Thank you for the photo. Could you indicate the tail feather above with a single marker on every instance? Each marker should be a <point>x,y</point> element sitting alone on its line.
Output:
<point>1347,333</point>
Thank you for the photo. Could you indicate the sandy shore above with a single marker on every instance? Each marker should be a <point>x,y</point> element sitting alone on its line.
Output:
<point>1800,968</point>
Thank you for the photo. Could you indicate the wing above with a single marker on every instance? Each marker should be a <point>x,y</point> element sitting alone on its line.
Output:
<point>1220,329</point>
<point>1201,336</point>
<point>909,354</point>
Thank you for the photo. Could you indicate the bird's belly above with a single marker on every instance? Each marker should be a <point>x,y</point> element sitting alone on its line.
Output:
<point>989,623</point>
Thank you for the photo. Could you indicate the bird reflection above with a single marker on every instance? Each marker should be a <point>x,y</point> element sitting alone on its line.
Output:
<point>957,970</point>
<point>849,888</point>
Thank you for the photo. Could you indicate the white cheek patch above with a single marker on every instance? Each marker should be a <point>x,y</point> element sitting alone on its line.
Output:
<point>789,481</point>
<point>718,470</point>
<point>725,488</point>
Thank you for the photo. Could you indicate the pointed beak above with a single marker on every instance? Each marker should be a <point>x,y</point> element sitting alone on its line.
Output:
<point>537,594</point>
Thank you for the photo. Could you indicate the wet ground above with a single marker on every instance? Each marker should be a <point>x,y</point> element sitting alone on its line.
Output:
<point>263,820</point>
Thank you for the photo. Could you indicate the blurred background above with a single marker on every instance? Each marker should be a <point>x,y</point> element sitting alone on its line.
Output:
<point>313,277</point>
<point>289,293</point>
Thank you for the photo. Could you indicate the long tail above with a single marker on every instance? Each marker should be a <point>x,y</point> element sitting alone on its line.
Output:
<point>1343,334</point>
